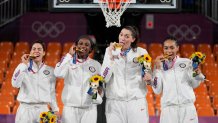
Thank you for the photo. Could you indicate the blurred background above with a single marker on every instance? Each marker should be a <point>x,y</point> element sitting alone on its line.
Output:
<point>60,22</point>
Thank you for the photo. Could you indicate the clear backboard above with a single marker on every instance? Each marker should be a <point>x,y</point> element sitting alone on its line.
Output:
<point>135,6</point>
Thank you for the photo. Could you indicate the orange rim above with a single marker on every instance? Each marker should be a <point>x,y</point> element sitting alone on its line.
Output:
<point>114,4</point>
<point>113,1</point>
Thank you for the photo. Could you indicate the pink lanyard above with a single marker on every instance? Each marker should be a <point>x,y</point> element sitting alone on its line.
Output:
<point>165,65</point>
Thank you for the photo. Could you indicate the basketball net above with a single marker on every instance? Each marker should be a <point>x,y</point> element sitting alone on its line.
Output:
<point>113,10</point>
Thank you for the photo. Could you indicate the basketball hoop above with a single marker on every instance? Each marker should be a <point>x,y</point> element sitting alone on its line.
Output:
<point>112,10</point>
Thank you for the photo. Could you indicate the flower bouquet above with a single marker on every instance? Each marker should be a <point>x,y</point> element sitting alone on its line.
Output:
<point>145,61</point>
<point>48,117</point>
<point>96,82</point>
<point>197,59</point>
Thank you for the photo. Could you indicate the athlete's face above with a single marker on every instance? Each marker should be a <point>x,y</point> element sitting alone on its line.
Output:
<point>85,45</point>
<point>38,51</point>
<point>170,49</point>
<point>126,38</point>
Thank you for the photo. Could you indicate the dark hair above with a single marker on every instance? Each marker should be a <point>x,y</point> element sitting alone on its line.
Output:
<point>40,42</point>
<point>172,39</point>
<point>86,37</point>
<point>135,34</point>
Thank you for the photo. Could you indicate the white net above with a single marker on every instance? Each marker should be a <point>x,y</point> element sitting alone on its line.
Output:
<point>113,10</point>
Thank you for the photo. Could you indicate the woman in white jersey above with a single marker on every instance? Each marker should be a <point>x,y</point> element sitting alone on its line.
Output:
<point>125,87</point>
<point>76,68</point>
<point>173,78</point>
<point>36,82</point>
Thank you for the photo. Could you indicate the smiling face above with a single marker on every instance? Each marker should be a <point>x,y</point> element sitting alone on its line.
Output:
<point>85,45</point>
<point>170,49</point>
<point>38,51</point>
<point>126,38</point>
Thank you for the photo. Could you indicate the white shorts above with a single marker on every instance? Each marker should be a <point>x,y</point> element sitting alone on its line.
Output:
<point>30,113</point>
<point>79,115</point>
<point>179,114</point>
<point>133,111</point>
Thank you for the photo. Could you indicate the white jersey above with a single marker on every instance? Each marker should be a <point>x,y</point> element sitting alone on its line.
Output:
<point>76,80</point>
<point>177,83</point>
<point>123,76</point>
<point>37,86</point>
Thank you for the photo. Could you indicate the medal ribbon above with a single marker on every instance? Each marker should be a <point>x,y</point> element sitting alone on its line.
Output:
<point>124,53</point>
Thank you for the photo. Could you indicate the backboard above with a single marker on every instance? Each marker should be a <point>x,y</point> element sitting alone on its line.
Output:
<point>93,6</point>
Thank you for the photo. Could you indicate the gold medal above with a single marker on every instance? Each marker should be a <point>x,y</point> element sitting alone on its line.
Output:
<point>117,46</point>
<point>79,49</point>
<point>166,56</point>
<point>32,56</point>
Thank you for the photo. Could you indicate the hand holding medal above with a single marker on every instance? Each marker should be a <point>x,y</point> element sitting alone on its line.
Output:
<point>117,46</point>
<point>117,49</point>
<point>160,61</point>
<point>165,60</point>
<point>79,49</point>
<point>114,50</point>
<point>74,52</point>
<point>31,56</point>
<point>26,58</point>
<point>75,49</point>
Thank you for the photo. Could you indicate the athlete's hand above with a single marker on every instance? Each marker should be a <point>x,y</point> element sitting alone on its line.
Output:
<point>147,77</point>
<point>198,71</point>
<point>72,50</point>
<point>111,48</point>
<point>25,58</point>
<point>158,61</point>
